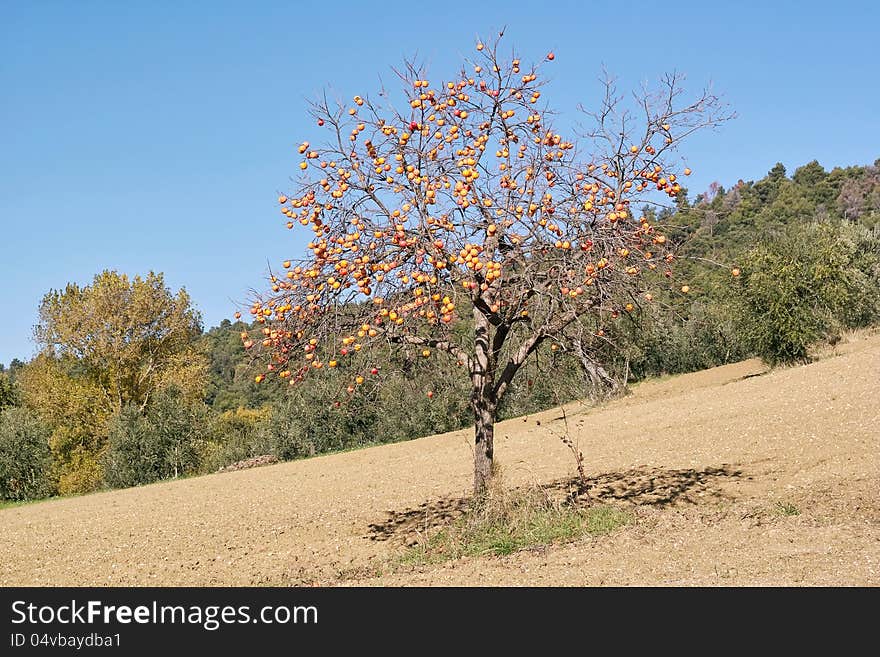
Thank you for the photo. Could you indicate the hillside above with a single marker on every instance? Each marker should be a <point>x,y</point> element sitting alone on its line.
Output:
<point>769,268</point>
<point>728,446</point>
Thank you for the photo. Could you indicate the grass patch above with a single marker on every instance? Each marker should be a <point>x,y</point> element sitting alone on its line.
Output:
<point>506,522</point>
<point>787,509</point>
<point>7,504</point>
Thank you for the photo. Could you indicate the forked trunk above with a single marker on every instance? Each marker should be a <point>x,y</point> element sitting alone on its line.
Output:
<point>484,434</point>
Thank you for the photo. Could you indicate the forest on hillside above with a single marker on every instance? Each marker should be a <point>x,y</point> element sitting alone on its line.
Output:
<point>128,388</point>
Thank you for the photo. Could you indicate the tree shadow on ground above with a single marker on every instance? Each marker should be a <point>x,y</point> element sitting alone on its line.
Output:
<point>746,377</point>
<point>638,486</point>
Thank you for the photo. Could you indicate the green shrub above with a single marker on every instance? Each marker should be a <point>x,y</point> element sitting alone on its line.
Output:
<point>9,393</point>
<point>236,435</point>
<point>408,412</point>
<point>81,472</point>
<point>803,287</point>
<point>162,443</point>
<point>861,305</point>
<point>25,458</point>
<point>316,419</point>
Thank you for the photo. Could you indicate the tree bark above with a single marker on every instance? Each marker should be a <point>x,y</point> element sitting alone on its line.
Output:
<point>483,403</point>
<point>484,437</point>
<point>602,384</point>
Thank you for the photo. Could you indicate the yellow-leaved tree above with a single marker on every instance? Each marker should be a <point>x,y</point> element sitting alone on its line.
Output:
<point>104,346</point>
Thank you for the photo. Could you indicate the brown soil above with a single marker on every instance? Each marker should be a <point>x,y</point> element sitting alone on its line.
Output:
<point>714,466</point>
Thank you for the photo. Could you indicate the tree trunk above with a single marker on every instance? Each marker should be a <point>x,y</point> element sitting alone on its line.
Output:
<point>482,403</point>
<point>484,435</point>
<point>601,383</point>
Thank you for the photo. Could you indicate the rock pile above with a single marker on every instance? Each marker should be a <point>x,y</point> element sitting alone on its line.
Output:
<point>253,462</point>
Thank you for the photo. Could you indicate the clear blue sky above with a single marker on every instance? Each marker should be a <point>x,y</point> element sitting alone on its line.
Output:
<point>156,135</point>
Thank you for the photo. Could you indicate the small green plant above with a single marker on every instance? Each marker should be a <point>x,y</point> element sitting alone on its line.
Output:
<point>604,519</point>
<point>787,509</point>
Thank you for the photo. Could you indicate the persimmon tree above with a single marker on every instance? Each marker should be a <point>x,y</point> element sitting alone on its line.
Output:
<point>460,222</point>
